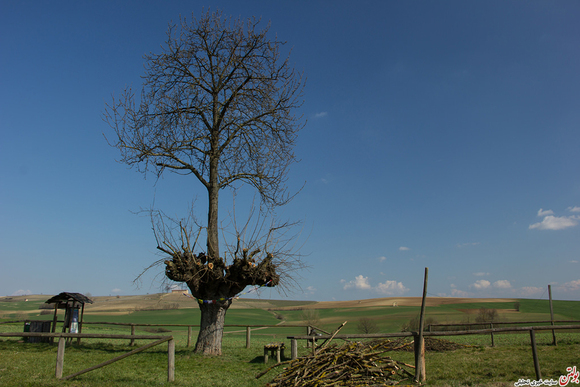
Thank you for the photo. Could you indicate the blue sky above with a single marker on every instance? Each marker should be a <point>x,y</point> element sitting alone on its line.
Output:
<point>439,134</point>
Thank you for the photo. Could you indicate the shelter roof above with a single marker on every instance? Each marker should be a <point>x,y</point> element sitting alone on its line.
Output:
<point>65,297</point>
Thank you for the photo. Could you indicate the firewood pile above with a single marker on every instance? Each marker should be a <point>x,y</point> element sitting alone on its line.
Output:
<point>406,344</point>
<point>352,364</point>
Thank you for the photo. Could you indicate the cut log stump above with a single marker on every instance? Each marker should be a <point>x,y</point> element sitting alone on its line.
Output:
<point>274,348</point>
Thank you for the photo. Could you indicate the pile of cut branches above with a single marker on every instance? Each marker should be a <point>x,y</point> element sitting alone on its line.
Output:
<point>406,344</point>
<point>351,364</point>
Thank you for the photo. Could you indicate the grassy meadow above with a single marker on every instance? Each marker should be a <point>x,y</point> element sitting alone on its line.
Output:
<point>27,364</point>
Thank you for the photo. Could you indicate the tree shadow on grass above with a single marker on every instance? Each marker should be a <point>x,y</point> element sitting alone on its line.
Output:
<point>6,345</point>
<point>271,361</point>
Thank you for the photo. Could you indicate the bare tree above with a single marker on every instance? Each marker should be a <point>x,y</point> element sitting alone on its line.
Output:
<point>217,103</point>
<point>413,324</point>
<point>310,317</point>
<point>367,325</point>
<point>486,315</point>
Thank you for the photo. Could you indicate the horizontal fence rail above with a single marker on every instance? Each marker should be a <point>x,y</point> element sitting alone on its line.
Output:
<point>170,325</point>
<point>439,333</point>
<point>197,325</point>
<point>500,323</point>
<point>81,335</point>
<point>190,333</point>
<point>134,337</point>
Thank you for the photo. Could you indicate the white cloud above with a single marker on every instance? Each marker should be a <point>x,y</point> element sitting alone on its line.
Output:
<point>320,114</point>
<point>573,261</point>
<point>381,259</point>
<point>310,290</point>
<point>541,212</point>
<point>403,248</point>
<point>480,274</point>
<point>21,292</point>
<point>459,293</point>
<point>530,290</point>
<point>388,287</point>
<point>502,284</point>
<point>481,284</point>
<point>359,282</point>
<point>391,288</point>
<point>327,179</point>
<point>574,209</point>
<point>551,222</point>
<point>570,286</point>
<point>116,290</point>
<point>460,245</point>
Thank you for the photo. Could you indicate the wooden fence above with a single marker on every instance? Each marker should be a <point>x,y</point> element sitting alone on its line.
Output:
<point>63,336</point>
<point>491,326</point>
<point>248,328</point>
<point>133,337</point>
<point>531,330</point>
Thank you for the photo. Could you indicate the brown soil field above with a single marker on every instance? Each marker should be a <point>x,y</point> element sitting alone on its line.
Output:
<point>115,305</point>
<point>399,301</point>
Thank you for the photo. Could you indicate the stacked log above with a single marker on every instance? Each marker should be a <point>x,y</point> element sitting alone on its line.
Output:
<point>406,344</point>
<point>352,364</point>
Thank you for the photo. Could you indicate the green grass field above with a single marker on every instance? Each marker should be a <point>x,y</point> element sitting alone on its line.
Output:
<point>24,364</point>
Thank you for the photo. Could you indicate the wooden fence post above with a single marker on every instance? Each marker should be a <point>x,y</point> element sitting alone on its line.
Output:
<point>293,349</point>
<point>60,357</point>
<point>419,348</point>
<point>171,360</point>
<point>491,327</point>
<point>54,321</point>
<point>535,355</point>
<point>132,342</point>
<point>248,337</point>
<point>552,316</point>
<point>188,336</point>
<point>419,341</point>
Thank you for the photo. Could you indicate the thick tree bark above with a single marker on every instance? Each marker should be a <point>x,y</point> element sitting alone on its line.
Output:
<point>212,223</point>
<point>209,340</point>
<point>213,188</point>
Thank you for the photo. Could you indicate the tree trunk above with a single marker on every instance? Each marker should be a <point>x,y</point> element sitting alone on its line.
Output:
<point>209,340</point>
<point>212,224</point>
<point>213,189</point>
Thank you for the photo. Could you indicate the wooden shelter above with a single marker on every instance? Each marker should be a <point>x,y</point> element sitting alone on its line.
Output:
<point>71,303</point>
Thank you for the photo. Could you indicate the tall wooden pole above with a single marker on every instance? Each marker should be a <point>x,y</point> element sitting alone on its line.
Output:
<point>54,320</point>
<point>81,322</point>
<point>132,342</point>
<point>552,315</point>
<point>535,355</point>
<point>419,341</point>
<point>60,357</point>
<point>171,361</point>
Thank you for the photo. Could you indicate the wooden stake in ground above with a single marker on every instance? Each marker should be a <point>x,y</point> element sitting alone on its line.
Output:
<point>552,315</point>
<point>419,342</point>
